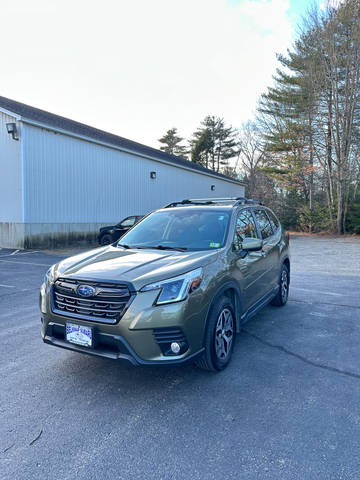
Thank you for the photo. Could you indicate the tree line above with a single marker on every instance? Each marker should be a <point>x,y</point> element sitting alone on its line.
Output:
<point>212,145</point>
<point>301,154</point>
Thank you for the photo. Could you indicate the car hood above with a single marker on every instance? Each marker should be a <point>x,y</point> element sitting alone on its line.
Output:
<point>109,227</point>
<point>138,267</point>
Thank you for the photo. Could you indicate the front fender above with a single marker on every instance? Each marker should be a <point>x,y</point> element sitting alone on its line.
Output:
<point>226,286</point>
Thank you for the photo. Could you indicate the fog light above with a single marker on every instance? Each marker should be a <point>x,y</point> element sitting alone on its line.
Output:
<point>175,347</point>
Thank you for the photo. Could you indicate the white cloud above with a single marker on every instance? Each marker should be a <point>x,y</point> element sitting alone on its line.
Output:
<point>139,67</point>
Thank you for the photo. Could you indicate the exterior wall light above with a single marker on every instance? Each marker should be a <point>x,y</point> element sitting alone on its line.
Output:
<point>153,175</point>
<point>212,188</point>
<point>12,129</point>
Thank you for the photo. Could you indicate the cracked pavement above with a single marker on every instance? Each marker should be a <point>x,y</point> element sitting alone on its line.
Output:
<point>287,407</point>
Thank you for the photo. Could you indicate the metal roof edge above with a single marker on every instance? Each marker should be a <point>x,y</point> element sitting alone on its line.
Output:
<point>11,114</point>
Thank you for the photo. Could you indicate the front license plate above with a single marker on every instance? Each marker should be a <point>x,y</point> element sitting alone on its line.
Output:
<point>79,334</point>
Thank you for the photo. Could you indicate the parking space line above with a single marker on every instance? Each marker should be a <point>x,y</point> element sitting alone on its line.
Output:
<point>19,254</point>
<point>27,263</point>
<point>7,286</point>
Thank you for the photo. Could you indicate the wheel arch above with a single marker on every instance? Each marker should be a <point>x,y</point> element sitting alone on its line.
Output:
<point>286,261</point>
<point>231,290</point>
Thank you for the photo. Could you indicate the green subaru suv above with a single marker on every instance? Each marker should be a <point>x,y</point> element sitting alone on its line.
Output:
<point>174,289</point>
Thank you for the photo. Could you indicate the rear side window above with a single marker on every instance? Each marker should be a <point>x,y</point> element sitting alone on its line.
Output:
<point>273,220</point>
<point>264,223</point>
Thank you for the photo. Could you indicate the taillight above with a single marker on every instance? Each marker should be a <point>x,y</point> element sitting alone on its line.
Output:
<point>288,236</point>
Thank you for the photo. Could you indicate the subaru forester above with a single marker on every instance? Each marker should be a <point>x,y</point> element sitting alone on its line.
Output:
<point>176,288</point>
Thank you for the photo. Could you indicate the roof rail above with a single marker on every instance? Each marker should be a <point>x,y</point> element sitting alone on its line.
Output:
<point>214,201</point>
<point>253,202</point>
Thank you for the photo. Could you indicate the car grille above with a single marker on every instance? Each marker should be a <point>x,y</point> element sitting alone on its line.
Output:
<point>107,305</point>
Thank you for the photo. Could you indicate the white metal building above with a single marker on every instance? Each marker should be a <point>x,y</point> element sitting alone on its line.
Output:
<point>61,180</point>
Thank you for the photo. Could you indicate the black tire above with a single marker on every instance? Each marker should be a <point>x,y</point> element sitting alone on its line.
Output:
<point>219,342</point>
<point>106,240</point>
<point>284,283</point>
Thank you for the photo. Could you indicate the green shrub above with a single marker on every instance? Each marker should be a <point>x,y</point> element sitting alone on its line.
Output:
<point>315,220</point>
<point>352,223</point>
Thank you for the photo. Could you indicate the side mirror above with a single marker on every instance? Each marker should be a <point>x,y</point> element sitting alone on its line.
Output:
<point>252,244</point>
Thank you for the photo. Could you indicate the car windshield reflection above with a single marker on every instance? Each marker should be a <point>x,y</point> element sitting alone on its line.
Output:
<point>190,229</point>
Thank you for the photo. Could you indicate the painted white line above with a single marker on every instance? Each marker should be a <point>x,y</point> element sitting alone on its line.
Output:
<point>317,291</point>
<point>27,263</point>
<point>317,314</point>
<point>7,286</point>
<point>20,254</point>
<point>28,253</point>
<point>15,252</point>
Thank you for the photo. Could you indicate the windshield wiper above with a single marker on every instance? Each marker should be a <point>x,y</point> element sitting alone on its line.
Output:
<point>123,245</point>
<point>164,247</point>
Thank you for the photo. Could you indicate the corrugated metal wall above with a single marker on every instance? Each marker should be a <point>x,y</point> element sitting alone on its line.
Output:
<point>74,181</point>
<point>11,187</point>
<point>11,199</point>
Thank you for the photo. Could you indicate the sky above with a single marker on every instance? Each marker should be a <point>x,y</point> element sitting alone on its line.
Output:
<point>137,68</point>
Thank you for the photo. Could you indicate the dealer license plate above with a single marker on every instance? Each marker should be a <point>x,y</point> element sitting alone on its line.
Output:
<point>79,334</point>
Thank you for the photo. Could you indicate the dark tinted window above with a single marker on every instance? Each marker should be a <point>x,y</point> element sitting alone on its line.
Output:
<point>264,223</point>
<point>273,220</point>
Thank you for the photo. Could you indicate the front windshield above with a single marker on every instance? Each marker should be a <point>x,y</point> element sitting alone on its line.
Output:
<point>190,229</point>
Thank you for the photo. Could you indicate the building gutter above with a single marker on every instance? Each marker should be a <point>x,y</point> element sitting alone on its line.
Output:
<point>11,114</point>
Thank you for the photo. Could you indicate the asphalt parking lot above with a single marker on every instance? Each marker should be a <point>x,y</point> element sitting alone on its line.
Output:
<point>287,407</point>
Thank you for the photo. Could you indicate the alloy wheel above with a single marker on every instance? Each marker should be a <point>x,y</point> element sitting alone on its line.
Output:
<point>284,286</point>
<point>224,334</point>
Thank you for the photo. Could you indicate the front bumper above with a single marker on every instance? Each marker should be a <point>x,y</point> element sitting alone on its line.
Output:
<point>142,336</point>
<point>110,346</point>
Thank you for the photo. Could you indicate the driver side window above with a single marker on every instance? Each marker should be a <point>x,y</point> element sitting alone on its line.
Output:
<point>245,228</point>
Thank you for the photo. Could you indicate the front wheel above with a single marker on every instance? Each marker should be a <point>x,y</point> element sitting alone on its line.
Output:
<point>106,240</point>
<point>219,336</point>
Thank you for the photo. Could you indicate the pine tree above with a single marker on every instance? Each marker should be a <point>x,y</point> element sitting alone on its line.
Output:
<point>311,116</point>
<point>213,144</point>
<point>171,143</point>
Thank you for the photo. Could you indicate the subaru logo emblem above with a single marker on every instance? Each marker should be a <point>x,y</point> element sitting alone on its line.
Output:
<point>86,290</point>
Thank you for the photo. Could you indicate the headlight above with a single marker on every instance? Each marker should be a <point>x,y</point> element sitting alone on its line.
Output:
<point>48,279</point>
<point>43,298</point>
<point>49,275</point>
<point>177,288</point>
